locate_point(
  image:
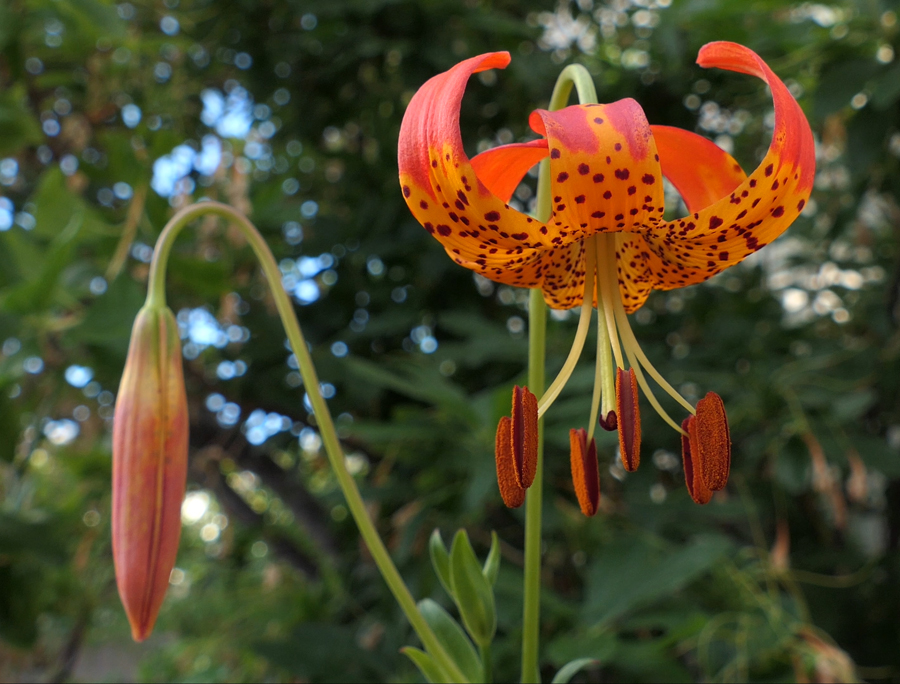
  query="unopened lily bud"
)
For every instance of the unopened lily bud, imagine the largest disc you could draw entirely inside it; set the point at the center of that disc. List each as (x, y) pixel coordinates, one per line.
(150, 447)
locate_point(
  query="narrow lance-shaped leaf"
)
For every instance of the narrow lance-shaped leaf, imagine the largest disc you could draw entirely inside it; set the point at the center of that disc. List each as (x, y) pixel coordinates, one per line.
(440, 560)
(452, 638)
(473, 593)
(492, 564)
(429, 669)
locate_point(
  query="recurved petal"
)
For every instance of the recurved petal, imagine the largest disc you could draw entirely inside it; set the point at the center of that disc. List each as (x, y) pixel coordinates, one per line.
(604, 169)
(502, 168)
(758, 210)
(700, 170)
(440, 185)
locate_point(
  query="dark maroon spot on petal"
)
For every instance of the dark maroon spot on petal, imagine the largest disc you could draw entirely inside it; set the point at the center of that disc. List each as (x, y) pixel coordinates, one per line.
(607, 194)
(632, 190)
(562, 177)
(598, 120)
(584, 169)
(434, 163)
(520, 236)
(800, 205)
(554, 154)
(778, 211)
(444, 230)
(423, 204)
(752, 182)
(598, 214)
(723, 256)
(598, 177)
(406, 191)
(454, 217)
(622, 174)
(492, 216)
(579, 199)
(618, 147)
(648, 179)
(715, 222)
(769, 170)
(775, 185)
(429, 227)
(460, 205)
(619, 217)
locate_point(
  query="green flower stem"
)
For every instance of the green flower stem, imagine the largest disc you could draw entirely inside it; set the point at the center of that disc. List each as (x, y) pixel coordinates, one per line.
(157, 296)
(573, 75)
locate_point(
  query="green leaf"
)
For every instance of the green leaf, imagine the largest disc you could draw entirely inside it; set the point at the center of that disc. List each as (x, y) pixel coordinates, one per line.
(18, 125)
(492, 564)
(440, 560)
(472, 591)
(569, 670)
(452, 638)
(636, 572)
(429, 669)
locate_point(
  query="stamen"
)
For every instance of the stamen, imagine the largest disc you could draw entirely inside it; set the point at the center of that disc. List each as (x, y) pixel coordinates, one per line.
(698, 490)
(524, 435)
(608, 285)
(584, 320)
(513, 495)
(713, 441)
(604, 378)
(629, 418)
(651, 397)
(585, 471)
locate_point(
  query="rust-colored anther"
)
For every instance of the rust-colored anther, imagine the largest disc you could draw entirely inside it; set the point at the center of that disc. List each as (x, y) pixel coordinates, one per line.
(585, 471)
(513, 495)
(628, 415)
(690, 456)
(714, 441)
(610, 423)
(524, 435)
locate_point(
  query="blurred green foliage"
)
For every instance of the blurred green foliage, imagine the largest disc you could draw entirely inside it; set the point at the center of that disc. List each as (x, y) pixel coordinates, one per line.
(113, 114)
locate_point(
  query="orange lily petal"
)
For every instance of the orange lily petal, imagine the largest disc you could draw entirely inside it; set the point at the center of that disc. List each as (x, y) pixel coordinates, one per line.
(700, 170)
(502, 168)
(634, 264)
(441, 186)
(695, 248)
(604, 169)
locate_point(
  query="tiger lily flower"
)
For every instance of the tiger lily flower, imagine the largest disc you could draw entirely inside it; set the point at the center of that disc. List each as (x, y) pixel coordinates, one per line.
(606, 243)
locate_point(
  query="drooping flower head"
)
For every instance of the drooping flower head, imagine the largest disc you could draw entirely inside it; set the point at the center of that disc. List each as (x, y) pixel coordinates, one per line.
(606, 243)
(150, 451)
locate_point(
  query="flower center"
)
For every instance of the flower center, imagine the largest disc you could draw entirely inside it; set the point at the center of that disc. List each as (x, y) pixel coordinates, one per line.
(616, 343)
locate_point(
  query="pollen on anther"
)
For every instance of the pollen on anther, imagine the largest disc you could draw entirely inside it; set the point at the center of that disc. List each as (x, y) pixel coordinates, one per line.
(585, 471)
(713, 441)
(513, 495)
(628, 415)
(524, 435)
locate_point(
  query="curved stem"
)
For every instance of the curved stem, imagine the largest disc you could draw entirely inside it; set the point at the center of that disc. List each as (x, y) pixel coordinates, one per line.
(382, 558)
(576, 75)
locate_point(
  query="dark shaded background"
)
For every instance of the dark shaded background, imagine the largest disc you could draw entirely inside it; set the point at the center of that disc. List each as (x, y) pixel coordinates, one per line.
(113, 114)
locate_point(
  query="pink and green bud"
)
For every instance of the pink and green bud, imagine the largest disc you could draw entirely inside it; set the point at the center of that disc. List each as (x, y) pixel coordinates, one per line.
(150, 448)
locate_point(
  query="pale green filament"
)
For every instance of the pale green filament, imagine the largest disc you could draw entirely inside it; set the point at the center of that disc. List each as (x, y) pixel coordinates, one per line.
(601, 242)
(630, 342)
(584, 321)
